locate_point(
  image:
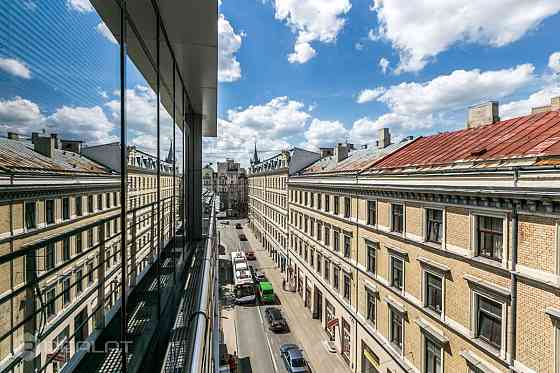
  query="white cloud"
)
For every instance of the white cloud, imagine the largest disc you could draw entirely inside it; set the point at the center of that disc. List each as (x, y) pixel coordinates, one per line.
(141, 103)
(456, 90)
(312, 20)
(368, 95)
(89, 124)
(229, 69)
(324, 133)
(106, 33)
(359, 46)
(419, 30)
(303, 52)
(278, 118)
(384, 64)
(82, 6)
(15, 67)
(554, 62)
(18, 113)
(523, 107)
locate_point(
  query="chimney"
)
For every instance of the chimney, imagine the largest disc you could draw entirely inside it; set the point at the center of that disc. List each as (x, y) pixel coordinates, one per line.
(56, 140)
(73, 146)
(384, 138)
(43, 145)
(555, 103)
(325, 152)
(483, 114)
(341, 152)
(13, 136)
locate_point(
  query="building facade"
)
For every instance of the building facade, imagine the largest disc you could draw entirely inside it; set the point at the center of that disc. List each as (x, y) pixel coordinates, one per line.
(268, 199)
(440, 255)
(231, 186)
(209, 178)
(60, 220)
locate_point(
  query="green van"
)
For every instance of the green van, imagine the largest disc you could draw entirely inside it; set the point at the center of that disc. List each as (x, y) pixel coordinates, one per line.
(266, 292)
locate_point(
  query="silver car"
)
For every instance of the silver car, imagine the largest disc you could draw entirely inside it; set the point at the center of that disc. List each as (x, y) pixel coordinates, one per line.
(293, 358)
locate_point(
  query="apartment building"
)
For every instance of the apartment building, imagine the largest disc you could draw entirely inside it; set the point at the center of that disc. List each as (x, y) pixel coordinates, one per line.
(231, 186)
(209, 179)
(268, 198)
(60, 242)
(441, 254)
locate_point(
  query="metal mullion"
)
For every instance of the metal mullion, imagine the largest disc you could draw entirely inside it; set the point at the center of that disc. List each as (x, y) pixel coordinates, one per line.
(174, 201)
(158, 180)
(184, 186)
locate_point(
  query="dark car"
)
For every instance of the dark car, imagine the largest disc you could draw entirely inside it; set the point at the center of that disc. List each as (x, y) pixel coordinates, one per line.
(250, 255)
(260, 276)
(276, 321)
(238, 226)
(293, 358)
(242, 237)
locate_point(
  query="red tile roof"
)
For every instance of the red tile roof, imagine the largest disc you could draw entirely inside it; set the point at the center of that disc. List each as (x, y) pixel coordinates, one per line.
(535, 135)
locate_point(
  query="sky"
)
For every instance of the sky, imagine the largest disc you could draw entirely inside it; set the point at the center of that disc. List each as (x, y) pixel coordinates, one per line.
(306, 73)
(313, 73)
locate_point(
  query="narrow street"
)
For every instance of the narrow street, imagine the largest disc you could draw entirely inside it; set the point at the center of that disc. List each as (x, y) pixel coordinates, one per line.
(258, 348)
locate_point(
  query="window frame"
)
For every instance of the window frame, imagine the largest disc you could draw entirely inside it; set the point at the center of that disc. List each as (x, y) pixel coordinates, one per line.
(336, 205)
(425, 340)
(371, 220)
(402, 218)
(347, 286)
(47, 202)
(33, 217)
(477, 236)
(66, 208)
(346, 245)
(427, 225)
(336, 277)
(78, 206)
(477, 326)
(347, 207)
(371, 247)
(426, 273)
(392, 314)
(371, 312)
(392, 259)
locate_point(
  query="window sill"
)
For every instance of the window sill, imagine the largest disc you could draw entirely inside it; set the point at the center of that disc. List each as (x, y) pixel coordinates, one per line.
(488, 262)
(487, 347)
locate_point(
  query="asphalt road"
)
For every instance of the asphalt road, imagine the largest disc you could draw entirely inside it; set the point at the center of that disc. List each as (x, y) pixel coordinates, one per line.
(258, 347)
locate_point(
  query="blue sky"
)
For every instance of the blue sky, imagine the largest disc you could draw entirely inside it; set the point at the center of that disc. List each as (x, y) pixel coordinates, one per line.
(302, 73)
(441, 59)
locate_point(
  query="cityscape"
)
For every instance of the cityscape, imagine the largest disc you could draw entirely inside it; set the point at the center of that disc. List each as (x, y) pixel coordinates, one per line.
(377, 190)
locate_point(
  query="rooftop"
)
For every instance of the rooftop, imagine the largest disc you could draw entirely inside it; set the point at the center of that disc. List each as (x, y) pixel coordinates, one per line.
(18, 157)
(524, 141)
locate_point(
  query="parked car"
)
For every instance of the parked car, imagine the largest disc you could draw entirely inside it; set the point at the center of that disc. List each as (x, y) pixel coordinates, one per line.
(242, 237)
(276, 321)
(293, 358)
(238, 226)
(250, 255)
(221, 249)
(225, 222)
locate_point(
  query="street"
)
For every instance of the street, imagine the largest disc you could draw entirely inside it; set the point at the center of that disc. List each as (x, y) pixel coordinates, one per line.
(258, 347)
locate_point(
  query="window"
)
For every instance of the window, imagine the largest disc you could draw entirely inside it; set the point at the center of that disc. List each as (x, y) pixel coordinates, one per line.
(90, 272)
(311, 200)
(318, 263)
(396, 329)
(51, 305)
(100, 202)
(327, 236)
(371, 213)
(336, 205)
(319, 231)
(347, 207)
(336, 240)
(49, 211)
(312, 228)
(66, 249)
(489, 321)
(90, 237)
(79, 281)
(90, 204)
(66, 208)
(49, 257)
(78, 201)
(397, 273)
(434, 225)
(306, 196)
(306, 224)
(397, 218)
(371, 258)
(326, 273)
(79, 246)
(327, 203)
(66, 290)
(432, 358)
(347, 247)
(490, 237)
(108, 200)
(319, 197)
(370, 307)
(346, 290)
(434, 295)
(336, 277)
(30, 215)
(115, 201)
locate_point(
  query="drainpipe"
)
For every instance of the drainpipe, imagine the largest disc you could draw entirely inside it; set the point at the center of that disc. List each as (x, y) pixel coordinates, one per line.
(513, 315)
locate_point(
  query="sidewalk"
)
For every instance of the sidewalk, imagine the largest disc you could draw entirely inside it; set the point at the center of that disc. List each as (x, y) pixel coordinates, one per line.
(227, 315)
(306, 330)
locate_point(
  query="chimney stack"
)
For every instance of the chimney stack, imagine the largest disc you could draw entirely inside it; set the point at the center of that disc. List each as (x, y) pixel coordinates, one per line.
(555, 103)
(483, 114)
(553, 106)
(341, 151)
(384, 138)
(43, 145)
(325, 152)
(13, 136)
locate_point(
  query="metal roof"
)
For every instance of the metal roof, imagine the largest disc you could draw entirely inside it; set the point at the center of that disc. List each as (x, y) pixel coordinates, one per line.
(356, 161)
(528, 138)
(18, 157)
